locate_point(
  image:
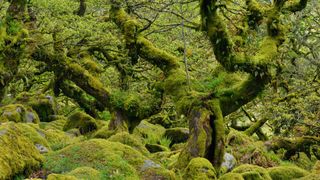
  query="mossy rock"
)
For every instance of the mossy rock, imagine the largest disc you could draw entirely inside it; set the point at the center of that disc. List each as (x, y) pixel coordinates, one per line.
(199, 168)
(316, 167)
(286, 172)
(167, 158)
(35, 134)
(81, 121)
(231, 176)
(86, 173)
(103, 133)
(177, 135)
(18, 153)
(247, 151)
(56, 124)
(112, 159)
(249, 171)
(44, 105)
(145, 130)
(61, 177)
(18, 113)
(58, 139)
(153, 148)
(130, 140)
(312, 176)
(178, 146)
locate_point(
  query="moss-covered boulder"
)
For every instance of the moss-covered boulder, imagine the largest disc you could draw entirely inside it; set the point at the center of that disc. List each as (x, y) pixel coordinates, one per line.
(147, 130)
(61, 177)
(249, 171)
(81, 121)
(167, 158)
(18, 113)
(177, 135)
(312, 176)
(86, 173)
(231, 176)
(56, 124)
(103, 133)
(199, 168)
(248, 151)
(316, 167)
(18, 154)
(130, 140)
(286, 172)
(178, 146)
(44, 105)
(153, 148)
(112, 159)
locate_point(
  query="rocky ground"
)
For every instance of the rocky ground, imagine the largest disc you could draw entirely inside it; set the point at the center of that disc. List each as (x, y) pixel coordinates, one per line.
(36, 145)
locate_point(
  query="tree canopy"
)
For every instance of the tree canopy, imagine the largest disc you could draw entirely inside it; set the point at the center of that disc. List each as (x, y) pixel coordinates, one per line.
(209, 79)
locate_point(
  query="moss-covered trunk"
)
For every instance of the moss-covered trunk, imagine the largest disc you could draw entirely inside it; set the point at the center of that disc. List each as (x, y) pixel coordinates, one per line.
(12, 42)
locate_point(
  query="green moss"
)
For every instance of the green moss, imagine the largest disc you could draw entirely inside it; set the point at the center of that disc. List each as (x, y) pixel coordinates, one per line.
(61, 177)
(316, 167)
(86, 173)
(18, 113)
(57, 124)
(311, 177)
(165, 61)
(44, 105)
(18, 153)
(231, 176)
(247, 151)
(147, 130)
(199, 168)
(58, 139)
(249, 171)
(200, 137)
(153, 148)
(34, 133)
(130, 140)
(81, 121)
(112, 159)
(286, 172)
(103, 133)
(102, 155)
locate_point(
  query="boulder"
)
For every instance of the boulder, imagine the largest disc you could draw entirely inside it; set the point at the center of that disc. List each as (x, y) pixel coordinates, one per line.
(153, 148)
(199, 168)
(177, 135)
(44, 105)
(18, 113)
(145, 130)
(229, 162)
(249, 171)
(112, 159)
(287, 172)
(18, 152)
(86, 173)
(81, 121)
(130, 140)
